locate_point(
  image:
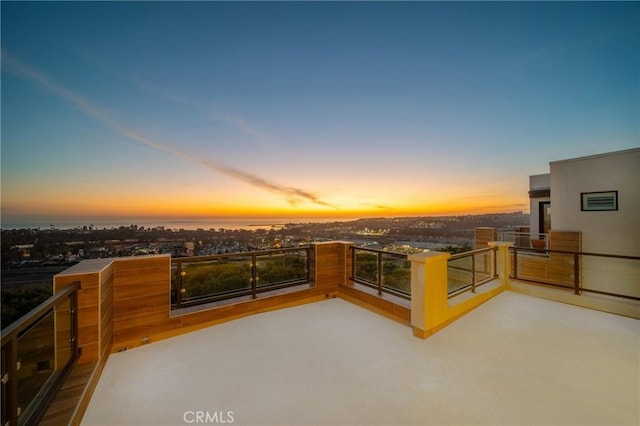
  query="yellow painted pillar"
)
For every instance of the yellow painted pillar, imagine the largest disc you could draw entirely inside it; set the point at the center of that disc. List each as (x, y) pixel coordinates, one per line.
(428, 291)
(503, 260)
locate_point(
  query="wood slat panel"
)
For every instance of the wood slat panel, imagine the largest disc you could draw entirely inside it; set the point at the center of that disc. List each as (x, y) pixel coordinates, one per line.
(87, 315)
(123, 264)
(483, 235)
(124, 306)
(88, 296)
(253, 307)
(565, 240)
(326, 265)
(63, 406)
(106, 287)
(142, 289)
(376, 304)
(87, 334)
(106, 339)
(141, 317)
(90, 352)
(132, 277)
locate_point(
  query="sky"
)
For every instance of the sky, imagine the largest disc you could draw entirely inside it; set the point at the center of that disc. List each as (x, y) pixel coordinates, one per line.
(306, 110)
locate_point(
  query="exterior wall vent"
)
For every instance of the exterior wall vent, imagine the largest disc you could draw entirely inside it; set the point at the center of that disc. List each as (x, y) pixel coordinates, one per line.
(599, 201)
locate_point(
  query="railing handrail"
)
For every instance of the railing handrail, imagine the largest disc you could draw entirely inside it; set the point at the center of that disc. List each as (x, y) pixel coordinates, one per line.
(614, 256)
(470, 253)
(391, 253)
(34, 315)
(223, 256)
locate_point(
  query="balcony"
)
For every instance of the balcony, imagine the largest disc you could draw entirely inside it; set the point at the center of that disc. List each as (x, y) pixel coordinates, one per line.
(493, 355)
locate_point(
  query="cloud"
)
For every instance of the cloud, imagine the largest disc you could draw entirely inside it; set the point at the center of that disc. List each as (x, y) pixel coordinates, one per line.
(376, 206)
(293, 194)
(239, 123)
(236, 122)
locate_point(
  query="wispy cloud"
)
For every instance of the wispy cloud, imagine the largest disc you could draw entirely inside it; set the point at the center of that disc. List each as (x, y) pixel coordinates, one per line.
(236, 122)
(293, 194)
(239, 123)
(376, 206)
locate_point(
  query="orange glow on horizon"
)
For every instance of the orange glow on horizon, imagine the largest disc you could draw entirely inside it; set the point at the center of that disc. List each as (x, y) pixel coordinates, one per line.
(241, 202)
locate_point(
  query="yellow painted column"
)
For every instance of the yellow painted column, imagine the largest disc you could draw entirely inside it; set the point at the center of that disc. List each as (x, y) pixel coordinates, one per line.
(428, 291)
(503, 260)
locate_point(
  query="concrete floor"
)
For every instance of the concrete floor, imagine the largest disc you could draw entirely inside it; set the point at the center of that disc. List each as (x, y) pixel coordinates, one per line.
(516, 359)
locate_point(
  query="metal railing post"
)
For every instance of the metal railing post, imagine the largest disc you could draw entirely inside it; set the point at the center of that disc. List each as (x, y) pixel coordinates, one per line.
(515, 263)
(576, 273)
(379, 274)
(181, 288)
(254, 277)
(353, 263)
(494, 260)
(473, 273)
(73, 313)
(308, 252)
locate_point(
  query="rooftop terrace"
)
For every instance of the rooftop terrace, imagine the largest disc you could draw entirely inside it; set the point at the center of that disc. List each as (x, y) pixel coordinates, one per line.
(515, 360)
(281, 337)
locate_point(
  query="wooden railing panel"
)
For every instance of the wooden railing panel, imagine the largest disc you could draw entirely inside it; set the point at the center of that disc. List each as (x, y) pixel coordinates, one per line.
(484, 235)
(326, 265)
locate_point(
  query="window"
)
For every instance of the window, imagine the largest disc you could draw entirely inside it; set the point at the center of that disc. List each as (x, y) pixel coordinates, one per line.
(544, 217)
(599, 201)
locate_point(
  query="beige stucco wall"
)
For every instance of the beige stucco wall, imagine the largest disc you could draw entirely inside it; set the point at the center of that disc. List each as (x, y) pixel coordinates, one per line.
(613, 232)
(610, 232)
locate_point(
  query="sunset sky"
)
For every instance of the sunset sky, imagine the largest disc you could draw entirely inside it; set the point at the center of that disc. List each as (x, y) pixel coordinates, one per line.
(306, 110)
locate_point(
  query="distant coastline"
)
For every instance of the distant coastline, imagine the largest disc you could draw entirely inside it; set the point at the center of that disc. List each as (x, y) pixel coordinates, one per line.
(192, 224)
(169, 223)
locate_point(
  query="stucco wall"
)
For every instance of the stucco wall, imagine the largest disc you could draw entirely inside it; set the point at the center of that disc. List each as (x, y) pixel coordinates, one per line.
(613, 232)
(609, 232)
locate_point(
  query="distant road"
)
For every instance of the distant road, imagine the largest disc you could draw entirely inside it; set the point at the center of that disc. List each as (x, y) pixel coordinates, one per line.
(29, 277)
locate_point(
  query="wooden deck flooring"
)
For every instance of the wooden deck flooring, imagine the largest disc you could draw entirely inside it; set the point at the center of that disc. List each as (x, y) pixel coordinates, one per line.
(61, 410)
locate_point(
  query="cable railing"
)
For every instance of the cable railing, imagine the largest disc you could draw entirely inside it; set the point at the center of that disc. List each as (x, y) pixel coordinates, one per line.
(204, 279)
(387, 272)
(38, 350)
(579, 271)
(466, 271)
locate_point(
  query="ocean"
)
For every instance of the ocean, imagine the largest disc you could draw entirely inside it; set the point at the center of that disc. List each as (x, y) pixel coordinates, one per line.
(168, 223)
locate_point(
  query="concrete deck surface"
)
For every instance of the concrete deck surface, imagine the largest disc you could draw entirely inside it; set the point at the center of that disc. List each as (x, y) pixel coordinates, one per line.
(516, 359)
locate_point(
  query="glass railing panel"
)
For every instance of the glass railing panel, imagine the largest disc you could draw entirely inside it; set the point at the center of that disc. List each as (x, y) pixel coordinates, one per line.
(215, 277)
(365, 266)
(36, 359)
(5, 360)
(280, 268)
(459, 274)
(619, 276)
(396, 273)
(525, 239)
(38, 351)
(483, 266)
